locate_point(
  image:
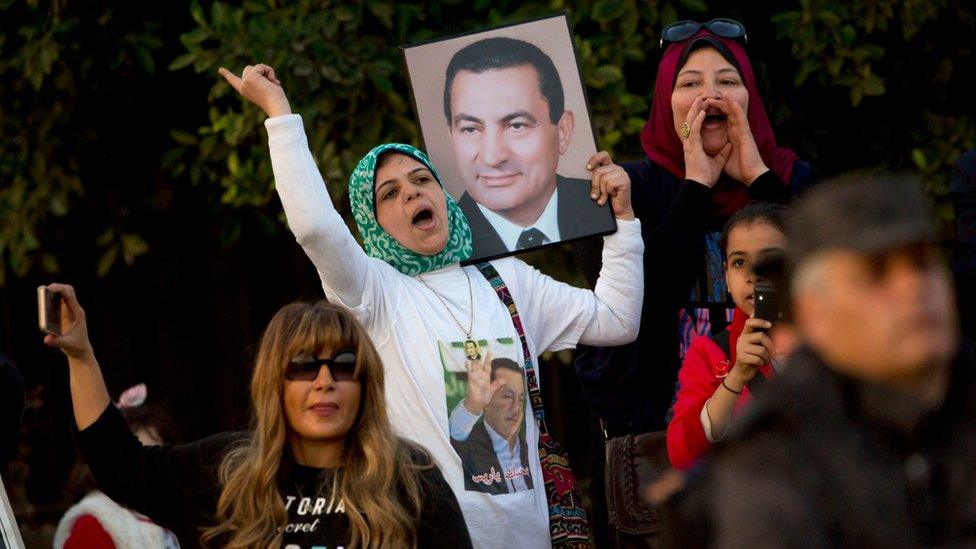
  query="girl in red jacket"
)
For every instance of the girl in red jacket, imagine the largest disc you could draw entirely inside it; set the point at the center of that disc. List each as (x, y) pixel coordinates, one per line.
(712, 384)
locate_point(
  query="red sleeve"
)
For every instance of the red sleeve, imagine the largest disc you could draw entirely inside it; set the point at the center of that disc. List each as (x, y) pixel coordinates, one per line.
(696, 384)
(87, 533)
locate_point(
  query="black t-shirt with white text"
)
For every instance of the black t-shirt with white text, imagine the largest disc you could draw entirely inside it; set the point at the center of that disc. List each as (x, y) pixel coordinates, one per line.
(316, 514)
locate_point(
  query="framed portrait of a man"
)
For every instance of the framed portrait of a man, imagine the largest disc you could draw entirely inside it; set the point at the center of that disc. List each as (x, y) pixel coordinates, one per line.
(504, 118)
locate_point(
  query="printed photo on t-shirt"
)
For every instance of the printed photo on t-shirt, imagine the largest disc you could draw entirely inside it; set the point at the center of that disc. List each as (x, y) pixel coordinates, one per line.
(486, 395)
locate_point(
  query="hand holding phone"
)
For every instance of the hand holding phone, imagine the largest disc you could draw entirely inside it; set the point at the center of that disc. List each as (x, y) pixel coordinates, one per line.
(73, 338)
(48, 311)
(753, 350)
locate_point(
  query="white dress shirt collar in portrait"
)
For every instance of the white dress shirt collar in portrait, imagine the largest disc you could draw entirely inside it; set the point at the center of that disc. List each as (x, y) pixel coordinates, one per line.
(509, 232)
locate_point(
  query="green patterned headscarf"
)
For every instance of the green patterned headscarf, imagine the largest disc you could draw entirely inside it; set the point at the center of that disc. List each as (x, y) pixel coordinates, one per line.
(378, 243)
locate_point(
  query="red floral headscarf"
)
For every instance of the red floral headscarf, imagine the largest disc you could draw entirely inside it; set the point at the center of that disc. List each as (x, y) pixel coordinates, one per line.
(663, 146)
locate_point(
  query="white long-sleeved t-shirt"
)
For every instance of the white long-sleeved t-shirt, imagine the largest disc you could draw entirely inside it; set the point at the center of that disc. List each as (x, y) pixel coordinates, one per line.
(422, 346)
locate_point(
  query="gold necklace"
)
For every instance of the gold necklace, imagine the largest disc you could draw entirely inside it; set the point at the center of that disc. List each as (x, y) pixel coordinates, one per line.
(467, 333)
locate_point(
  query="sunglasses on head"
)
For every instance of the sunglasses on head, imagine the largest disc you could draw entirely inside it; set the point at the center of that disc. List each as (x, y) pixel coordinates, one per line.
(683, 30)
(342, 367)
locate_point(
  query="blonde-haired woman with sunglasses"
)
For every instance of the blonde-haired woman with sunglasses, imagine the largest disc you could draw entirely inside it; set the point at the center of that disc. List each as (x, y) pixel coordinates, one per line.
(320, 467)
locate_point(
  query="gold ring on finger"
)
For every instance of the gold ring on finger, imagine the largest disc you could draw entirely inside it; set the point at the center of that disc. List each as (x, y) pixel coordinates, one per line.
(685, 130)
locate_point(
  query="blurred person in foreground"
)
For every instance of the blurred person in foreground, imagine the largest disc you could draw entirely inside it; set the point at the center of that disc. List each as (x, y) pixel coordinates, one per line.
(867, 438)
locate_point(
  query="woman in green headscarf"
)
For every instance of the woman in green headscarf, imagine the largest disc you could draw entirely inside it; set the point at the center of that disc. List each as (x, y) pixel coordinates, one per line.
(423, 309)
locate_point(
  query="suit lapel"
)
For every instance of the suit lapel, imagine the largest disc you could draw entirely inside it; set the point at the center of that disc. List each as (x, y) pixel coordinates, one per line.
(488, 447)
(486, 240)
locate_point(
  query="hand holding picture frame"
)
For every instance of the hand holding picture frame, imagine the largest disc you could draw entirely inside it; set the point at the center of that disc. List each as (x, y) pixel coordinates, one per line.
(505, 119)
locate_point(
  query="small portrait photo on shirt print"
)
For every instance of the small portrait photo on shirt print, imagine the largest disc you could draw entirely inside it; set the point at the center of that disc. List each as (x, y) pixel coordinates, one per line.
(487, 399)
(505, 120)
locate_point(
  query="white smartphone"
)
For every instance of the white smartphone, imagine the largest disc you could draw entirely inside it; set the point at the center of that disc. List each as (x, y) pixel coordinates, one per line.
(48, 311)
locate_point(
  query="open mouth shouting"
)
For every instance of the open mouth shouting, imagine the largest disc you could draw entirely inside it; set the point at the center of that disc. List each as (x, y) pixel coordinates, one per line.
(423, 218)
(714, 118)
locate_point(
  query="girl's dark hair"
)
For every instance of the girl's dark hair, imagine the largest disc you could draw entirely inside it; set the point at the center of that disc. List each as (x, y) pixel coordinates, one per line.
(154, 416)
(774, 214)
(146, 416)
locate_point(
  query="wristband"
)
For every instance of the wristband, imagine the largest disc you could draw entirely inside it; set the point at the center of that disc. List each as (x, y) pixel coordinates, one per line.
(730, 389)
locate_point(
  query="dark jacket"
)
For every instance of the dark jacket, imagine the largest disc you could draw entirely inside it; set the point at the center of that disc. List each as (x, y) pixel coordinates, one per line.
(822, 460)
(577, 215)
(478, 457)
(631, 387)
(177, 487)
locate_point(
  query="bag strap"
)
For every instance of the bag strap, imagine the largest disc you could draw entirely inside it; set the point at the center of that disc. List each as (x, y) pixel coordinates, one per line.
(535, 396)
(722, 340)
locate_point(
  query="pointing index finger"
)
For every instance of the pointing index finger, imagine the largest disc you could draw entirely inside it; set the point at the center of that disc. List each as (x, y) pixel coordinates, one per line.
(231, 78)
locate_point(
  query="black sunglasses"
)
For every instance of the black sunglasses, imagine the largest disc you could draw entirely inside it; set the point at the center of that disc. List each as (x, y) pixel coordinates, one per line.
(342, 367)
(683, 30)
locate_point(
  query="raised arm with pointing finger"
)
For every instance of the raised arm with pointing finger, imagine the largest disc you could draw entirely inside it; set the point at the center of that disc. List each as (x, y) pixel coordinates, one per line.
(312, 217)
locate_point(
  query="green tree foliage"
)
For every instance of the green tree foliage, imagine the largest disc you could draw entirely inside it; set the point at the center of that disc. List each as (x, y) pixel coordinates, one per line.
(48, 71)
(848, 84)
(838, 41)
(343, 72)
(907, 50)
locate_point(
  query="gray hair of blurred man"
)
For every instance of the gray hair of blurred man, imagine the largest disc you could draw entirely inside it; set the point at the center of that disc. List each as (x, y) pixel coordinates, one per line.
(867, 212)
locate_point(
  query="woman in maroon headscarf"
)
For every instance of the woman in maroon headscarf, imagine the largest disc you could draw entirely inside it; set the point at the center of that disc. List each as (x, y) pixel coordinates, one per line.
(710, 150)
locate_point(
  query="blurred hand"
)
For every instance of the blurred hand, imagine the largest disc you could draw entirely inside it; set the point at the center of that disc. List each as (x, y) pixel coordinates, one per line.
(73, 340)
(698, 165)
(480, 386)
(610, 181)
(258, 85)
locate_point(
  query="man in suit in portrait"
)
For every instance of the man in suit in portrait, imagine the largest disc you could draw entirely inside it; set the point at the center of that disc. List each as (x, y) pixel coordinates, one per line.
(505, 110)
(487, 428)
